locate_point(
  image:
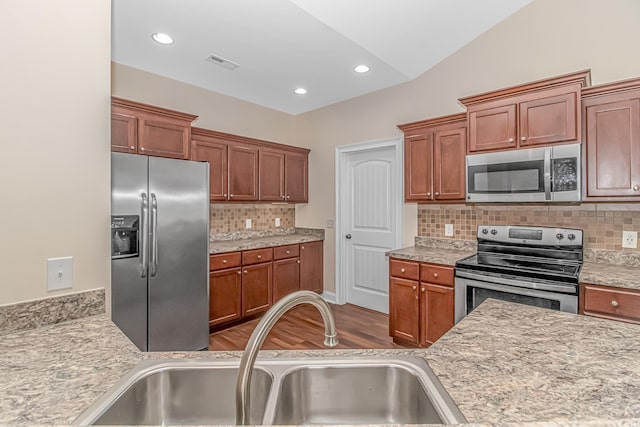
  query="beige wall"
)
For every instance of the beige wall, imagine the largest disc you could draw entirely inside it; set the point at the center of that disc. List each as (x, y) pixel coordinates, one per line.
(216, 111)
(54, 127)
(546, 38)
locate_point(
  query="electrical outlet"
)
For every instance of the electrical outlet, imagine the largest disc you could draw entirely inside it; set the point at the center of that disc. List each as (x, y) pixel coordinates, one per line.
(330, 223)
(247, 223)
(59, 273)
(277, 222)
(630, 239)
(448, 230)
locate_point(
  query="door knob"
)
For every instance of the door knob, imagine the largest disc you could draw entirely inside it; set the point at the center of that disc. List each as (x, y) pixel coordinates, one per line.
(348, 236)
(636, 188)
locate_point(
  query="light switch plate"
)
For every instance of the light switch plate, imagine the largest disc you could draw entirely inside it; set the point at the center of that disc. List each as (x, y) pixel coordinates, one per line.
(59, 273)
(448, 230)
(630, 239)
(247, 223)
(277, 222)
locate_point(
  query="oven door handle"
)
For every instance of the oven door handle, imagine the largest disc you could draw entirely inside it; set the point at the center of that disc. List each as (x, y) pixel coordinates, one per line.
(568, 289)
(547, 173)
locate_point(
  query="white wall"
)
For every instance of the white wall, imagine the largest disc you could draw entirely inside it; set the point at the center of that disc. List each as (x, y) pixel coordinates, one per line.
(544, 39)
(54, 128)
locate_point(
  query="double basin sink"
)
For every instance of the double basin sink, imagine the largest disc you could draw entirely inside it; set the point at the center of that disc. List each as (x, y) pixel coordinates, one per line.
(300, 391)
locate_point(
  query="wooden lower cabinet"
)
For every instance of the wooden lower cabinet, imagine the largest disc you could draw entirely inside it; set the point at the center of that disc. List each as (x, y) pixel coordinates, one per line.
(256, 288)
(311, 256)
(286, 277)
(225, 292)
(247, 283)
(610, 302)
(420, 311)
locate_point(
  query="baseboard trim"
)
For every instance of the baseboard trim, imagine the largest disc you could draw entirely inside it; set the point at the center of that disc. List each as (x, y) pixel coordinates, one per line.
(329, 297)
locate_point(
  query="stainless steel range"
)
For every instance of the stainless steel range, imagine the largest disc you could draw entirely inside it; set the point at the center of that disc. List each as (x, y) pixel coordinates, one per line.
(537, 266)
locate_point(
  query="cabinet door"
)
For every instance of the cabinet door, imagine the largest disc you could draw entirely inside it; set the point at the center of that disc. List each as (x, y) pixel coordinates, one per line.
(271, 164)
(295, 177)
(225, 296)
(418, 168)
(492, 128)
(450, 148)
(243, 173)
(215, 153)
(436, 312)
(404, 306)
(286, 277)
(163, 137)
(256, 288)
(549, 120)
(613, 148)
(124, 132)
(311, 266)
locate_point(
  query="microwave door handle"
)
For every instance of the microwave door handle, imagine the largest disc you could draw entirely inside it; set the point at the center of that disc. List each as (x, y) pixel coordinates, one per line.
(154, 235)
(144, 234)
(547, 174)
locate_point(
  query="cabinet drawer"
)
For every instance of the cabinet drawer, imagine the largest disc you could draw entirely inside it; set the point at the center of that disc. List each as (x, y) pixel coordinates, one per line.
(436, 274)
(289, 251)
(614, 303)
(226, 260)
(404, 269)
(257, 256)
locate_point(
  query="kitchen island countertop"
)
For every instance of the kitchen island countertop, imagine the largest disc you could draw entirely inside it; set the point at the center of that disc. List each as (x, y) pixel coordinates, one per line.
(503, 363)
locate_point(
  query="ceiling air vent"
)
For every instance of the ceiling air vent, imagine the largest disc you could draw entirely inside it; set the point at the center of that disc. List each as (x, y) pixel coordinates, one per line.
(218, 60)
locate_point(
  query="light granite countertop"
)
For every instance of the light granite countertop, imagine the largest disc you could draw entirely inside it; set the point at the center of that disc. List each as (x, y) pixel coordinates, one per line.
(504, 363)
(620, 276)
(427, 254)
(221, 246)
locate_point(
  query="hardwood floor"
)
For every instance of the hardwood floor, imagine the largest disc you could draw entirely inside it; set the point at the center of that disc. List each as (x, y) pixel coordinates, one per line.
(302, 329)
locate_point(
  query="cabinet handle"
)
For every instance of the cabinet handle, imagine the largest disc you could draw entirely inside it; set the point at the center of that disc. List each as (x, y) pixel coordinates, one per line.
(245, 272)
(288, 252)
(524, 138)
(298, 261)
(302, 247)
(435, 275)
(259, 256)
(284, 197)
(614, 303)
(224, 195)
(422, 289)
(510, 139)
(636, 188)
(437, 194)
(239, 272)
(133, 147)
(402, 270)
(224, 261)
(429, 194)
(230, 195)
(288, 197)
(414, 287)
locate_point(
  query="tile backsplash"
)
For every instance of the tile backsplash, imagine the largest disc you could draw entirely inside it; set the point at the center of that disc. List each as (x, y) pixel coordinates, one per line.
(229, 218)
(602, 223)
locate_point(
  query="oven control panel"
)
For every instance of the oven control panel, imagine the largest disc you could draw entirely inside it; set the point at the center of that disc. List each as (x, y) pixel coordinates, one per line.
(547, 236)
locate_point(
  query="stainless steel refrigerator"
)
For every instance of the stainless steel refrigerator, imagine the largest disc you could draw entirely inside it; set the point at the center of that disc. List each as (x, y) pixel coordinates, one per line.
(160, 251)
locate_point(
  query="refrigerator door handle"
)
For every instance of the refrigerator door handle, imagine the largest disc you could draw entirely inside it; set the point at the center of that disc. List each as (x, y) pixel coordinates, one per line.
(154, 235)
(144, 260)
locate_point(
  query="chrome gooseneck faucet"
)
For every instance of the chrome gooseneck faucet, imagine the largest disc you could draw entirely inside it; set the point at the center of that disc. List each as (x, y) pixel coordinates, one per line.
(260, 334)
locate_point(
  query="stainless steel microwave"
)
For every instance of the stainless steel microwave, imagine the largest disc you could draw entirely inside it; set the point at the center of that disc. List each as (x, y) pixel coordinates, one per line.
(543, 174)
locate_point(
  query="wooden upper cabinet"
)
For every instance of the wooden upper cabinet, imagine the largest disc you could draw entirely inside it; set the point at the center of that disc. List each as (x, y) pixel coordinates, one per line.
(611, 127)
(449, 167)
(272, 172)
(150, 130)
(206, 148)
(243, 173)
(434, 159)
(537, 113)
(296, 177)
(124, 131)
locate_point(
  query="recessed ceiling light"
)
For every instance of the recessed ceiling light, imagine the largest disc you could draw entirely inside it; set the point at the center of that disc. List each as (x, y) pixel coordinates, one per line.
(361, 69)
(162, 38)
(300, 91)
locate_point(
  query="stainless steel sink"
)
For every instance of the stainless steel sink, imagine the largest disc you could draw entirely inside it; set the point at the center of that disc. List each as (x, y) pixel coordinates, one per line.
(283, 391)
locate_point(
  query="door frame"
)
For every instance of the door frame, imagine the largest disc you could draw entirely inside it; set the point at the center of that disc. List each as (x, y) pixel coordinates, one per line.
(397, 189)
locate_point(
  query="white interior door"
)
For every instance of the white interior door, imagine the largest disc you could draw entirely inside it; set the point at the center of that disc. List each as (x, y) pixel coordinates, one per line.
(370, 204)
